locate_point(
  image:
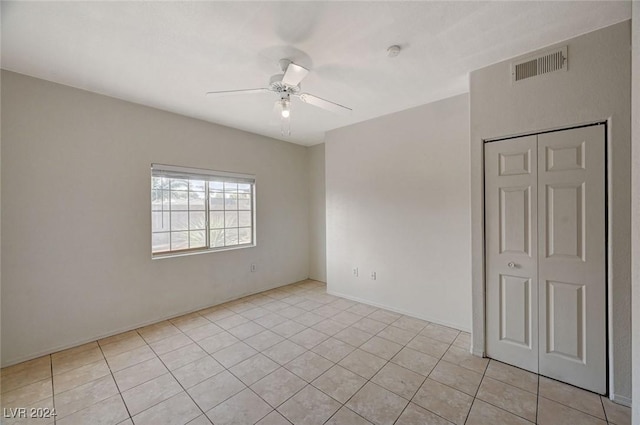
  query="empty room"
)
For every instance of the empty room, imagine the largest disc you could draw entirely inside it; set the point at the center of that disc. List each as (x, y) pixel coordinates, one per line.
(320, 212)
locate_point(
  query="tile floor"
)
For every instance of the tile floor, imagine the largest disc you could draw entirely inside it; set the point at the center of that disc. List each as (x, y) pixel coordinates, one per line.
(293, 355)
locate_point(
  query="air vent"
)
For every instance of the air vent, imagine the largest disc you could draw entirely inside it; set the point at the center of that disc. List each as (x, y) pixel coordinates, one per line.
(551, 61)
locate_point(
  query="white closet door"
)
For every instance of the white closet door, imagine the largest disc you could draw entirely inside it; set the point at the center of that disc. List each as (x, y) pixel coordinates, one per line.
(571, 256)
(511, 251)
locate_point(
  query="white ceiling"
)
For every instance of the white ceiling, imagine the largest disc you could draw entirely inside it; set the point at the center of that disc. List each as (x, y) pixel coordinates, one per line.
(168, 54)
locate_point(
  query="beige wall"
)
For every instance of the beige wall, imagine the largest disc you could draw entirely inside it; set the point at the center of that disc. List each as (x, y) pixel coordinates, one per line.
(317, 215)
(635, 178)
(398, 204)
(596, 87)
(76, 222)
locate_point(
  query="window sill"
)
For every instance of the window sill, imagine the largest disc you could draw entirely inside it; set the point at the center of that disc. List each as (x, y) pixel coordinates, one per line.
(201, 251)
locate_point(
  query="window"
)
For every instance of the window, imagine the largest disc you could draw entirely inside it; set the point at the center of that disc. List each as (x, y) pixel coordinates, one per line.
(200, 210)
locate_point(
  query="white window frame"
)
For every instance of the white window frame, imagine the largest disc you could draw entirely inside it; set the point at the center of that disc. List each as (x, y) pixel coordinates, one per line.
(209, 176)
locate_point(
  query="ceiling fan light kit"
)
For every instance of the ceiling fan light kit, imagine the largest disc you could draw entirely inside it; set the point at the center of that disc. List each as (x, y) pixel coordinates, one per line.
(285, 86)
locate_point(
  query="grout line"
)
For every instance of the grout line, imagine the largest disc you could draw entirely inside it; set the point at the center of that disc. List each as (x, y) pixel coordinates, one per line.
(116, 383)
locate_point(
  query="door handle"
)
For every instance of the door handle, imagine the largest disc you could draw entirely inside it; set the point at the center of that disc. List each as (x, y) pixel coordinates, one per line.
(512, 265)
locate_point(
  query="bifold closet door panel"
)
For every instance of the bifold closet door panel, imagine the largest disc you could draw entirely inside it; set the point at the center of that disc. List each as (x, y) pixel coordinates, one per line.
(572, 256)
(511, 251)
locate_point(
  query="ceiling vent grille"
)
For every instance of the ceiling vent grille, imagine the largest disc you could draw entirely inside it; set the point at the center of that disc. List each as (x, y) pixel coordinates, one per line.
(551, 61)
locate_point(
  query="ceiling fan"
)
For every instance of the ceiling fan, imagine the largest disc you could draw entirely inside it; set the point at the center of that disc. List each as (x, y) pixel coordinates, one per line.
(286, 86)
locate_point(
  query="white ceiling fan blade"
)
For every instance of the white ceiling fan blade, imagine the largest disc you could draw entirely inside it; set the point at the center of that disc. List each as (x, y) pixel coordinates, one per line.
(294, 74)
(324, 104)
(243, 91)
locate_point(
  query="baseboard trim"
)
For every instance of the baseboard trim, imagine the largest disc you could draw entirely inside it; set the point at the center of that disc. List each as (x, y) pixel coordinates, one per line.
(136, 326)
(398, 310)
(620, 399)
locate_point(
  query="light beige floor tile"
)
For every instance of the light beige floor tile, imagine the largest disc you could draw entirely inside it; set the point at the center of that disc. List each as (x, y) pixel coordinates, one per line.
(369, 325)
(264, 340)
(416, 415)
(288, 328)
(291, 312)
(150, 393)
(463, 340)
(171, 343)
(342, 303)
(254, 368)
(208, 394)
(130, 358)
(130, 422)
(308, 366)
(362, 309)
(284, 352)
(329, 327)
(510, 398)
(118, 337)
(353, 336)
(398, 380)
(483, 414)
(112, 348)
(18, 378)
(202, 332)
(16, 417)
(275, 306)
(255, 313)
(552, 413)
(568, 395)
(43, 362)
(107, 412)
(183, 356)
(29, 394)
(278, 386)
(309, 319)
(346, 317)
(309, 407)
(176, 410)
(385, 316)
(363, 363)
(243, 408)
(327, 311)
(189, 321)
(308, 338)
(339, 383)
(616, 413)
(231, 321)
(377, 405)
(429, 346)
(238, 306)
(270, 320)
(462, 357)
(80, 376)
(216, 313)
(74, 350)
(201, 420)
(246, 330)
(139, 374)
(234, 354)
(457, 377)
(273, 418)
(309, 305)
(440, 333)
(346, 416)
(445, 401)
(513, 376)
(73, 361)
(333, 349)
(158, 331)
(395, 334)
(84, 396)
(381, 347)
(410, 324)
(217, 342)
(415, 360)
(198, 371)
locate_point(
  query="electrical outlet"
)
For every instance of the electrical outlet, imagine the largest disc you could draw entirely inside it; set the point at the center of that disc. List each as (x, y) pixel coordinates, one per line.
(373, 275)
(355, 271)
(253, 268)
